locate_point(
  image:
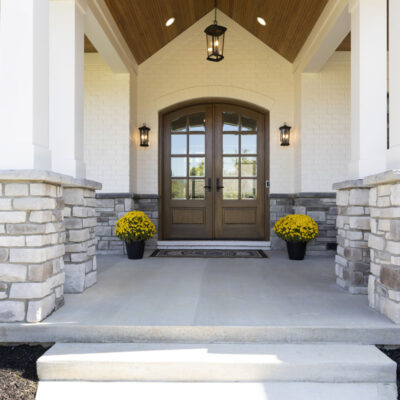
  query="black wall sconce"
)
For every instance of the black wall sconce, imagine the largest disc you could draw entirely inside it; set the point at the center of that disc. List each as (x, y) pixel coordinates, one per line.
(285, 134)
(144, 136)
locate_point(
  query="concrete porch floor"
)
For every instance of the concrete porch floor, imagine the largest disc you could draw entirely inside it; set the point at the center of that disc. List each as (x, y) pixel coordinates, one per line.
(220, 300)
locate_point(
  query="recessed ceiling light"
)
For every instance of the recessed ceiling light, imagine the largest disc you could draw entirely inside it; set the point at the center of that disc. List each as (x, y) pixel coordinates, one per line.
(170, 21)
(261, 21)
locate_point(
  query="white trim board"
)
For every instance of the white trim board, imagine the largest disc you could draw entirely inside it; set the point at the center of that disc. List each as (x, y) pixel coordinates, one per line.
(214, 244)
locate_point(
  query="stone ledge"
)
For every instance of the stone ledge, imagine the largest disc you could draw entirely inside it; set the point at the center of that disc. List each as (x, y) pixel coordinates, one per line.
(114, 195)
(34, 175)
(391, 176)
(311, 195)
(350, 184)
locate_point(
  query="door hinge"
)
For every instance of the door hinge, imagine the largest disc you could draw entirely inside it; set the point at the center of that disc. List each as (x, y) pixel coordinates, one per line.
(267, 184)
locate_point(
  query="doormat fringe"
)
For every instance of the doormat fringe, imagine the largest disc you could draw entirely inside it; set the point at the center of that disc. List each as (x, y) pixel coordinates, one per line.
(209, 253)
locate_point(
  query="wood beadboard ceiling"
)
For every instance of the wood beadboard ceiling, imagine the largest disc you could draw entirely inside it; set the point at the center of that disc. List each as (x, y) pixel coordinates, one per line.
(142, 22)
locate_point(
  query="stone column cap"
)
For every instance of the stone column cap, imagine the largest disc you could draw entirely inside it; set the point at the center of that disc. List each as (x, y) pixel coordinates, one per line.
(35, 175)
(390, 176)
(350, 184)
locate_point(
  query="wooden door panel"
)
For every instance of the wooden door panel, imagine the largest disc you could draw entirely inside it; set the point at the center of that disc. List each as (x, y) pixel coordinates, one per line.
(187, 169)
(239, 165)
(213, 174)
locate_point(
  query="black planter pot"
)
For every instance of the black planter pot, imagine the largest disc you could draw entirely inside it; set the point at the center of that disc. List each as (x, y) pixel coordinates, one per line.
(135, 249)
(296, 250)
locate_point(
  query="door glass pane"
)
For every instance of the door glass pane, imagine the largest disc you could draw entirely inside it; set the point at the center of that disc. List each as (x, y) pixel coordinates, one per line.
(248, 124)
(178, 144)
(197, 122)
(231, 166)
(231, 189)
(196, 189)
(249, 144)
(249, 188)
(178, 189)
(196, 166)
(197, 144)
(179, 125)
(230, 144)
(249, 166)
(178, 166)
(230, 122)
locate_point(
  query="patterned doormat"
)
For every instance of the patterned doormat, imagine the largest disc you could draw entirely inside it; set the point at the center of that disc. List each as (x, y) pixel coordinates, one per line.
(209, 253)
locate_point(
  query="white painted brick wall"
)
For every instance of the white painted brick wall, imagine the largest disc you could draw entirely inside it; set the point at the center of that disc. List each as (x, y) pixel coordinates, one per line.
(106, 132)
(325, 130)
(251, 71)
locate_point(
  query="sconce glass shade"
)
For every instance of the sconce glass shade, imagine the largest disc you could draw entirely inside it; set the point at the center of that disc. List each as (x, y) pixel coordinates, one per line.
(144, 136)
(215, 36)
(285, 135)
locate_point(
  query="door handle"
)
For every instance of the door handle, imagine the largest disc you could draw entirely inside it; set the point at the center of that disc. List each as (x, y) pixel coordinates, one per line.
(218, 184)
(209, 185)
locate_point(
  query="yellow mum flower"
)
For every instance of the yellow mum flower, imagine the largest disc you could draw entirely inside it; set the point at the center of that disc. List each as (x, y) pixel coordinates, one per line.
(134, 225)
(296, 228)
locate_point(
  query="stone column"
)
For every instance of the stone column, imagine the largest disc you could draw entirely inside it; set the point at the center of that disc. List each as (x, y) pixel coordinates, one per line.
(67, 19)
(394, 84)
(352, 262)
(384, 241)
(368, 87)
(80, 246)
(24, 84)
(32, 238)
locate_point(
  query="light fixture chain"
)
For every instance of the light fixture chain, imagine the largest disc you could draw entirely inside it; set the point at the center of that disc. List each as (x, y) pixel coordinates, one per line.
(215, 12)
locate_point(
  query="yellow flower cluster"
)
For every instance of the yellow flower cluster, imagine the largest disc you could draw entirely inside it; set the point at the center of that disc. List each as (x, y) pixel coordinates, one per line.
(134, 225)
(296, 228)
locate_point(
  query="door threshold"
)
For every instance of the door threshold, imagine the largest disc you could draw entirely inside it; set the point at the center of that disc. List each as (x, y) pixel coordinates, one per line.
(214, 244)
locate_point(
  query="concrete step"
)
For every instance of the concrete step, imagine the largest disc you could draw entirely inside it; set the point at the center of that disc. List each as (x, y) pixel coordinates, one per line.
(214, 244)
(216, 363)
(214, 391)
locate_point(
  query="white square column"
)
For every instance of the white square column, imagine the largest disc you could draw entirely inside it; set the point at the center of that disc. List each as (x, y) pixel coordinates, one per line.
(24, 84)
(67, 27)
(368, 87)
(393, 161)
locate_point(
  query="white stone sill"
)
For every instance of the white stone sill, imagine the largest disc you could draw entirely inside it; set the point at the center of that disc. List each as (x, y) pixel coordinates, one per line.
(34, 175)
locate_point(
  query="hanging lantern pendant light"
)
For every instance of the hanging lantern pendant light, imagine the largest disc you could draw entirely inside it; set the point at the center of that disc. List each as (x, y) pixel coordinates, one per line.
(215, 36)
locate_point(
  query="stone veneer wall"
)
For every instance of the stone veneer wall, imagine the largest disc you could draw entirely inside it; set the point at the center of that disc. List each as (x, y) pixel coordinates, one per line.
(352, 262)
(110, 207)
(320, 206)
(32, 243)
(80, 245)
(384, 242)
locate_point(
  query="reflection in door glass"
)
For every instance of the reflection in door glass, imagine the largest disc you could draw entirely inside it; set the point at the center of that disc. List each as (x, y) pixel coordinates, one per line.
(196, 144)
(178, 144)
(178, 166)
(248, 124)
(248, 144)
(230, 166)
(249, 166)
(196, 189)
(230, 144)
(178, 189)
(197, 122)
(231, 189)
(249, 188)
(230, 122)
(179, 125)
(196, 166)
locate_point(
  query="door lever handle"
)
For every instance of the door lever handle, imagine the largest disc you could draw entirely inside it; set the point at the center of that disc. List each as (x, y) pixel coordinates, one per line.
(218, 184)
(209, 185)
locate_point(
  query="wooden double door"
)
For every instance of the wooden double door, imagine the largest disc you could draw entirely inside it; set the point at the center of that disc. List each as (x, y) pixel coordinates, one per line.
(214, 173)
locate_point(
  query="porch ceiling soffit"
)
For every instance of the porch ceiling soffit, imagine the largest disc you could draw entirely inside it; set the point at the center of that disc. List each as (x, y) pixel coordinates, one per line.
(103, 32)
(142, 23)
(329, 32)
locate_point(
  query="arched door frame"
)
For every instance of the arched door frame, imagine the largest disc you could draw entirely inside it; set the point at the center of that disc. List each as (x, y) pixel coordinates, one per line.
(213, 100)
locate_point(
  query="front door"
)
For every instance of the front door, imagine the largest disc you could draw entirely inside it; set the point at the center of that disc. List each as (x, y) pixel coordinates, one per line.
(213, 173)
